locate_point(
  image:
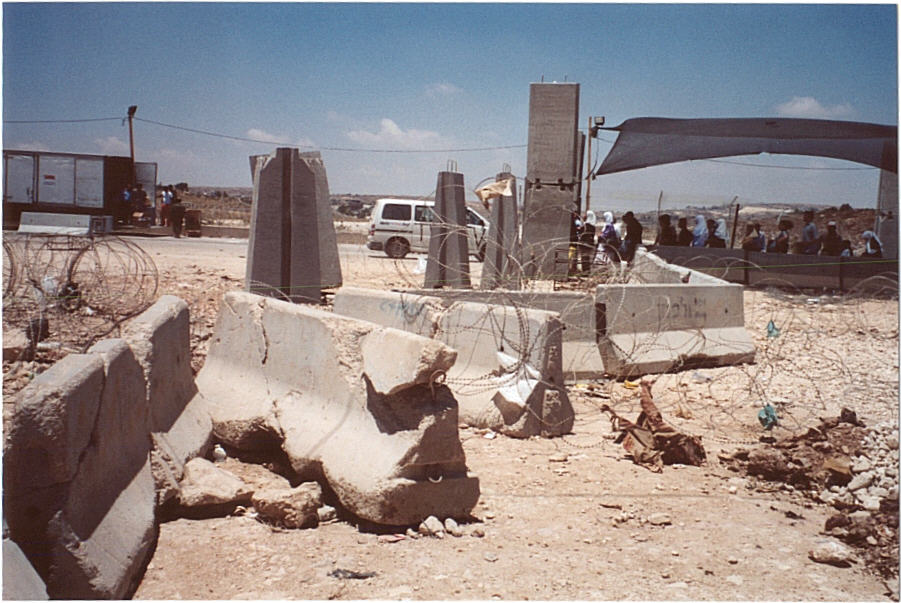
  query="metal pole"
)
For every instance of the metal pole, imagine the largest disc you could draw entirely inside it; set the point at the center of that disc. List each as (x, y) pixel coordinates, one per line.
(131, 141)
(588, 184)
(734, 224)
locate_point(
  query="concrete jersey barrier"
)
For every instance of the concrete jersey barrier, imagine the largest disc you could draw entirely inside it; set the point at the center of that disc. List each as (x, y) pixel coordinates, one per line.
(508, 375)
(379, 428)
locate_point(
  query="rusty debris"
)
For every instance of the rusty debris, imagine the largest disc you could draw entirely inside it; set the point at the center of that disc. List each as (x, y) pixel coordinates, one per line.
(651, 441)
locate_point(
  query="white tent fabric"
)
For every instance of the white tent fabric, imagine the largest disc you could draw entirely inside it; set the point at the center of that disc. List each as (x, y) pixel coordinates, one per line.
(647, 141)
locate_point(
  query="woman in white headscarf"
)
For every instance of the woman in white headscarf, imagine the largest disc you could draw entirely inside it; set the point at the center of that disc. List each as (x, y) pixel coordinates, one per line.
(700, 232)
(874, 245)
(722, 231)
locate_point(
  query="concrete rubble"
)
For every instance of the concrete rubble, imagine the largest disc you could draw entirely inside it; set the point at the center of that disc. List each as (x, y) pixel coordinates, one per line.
(509, 374)
(318, 402)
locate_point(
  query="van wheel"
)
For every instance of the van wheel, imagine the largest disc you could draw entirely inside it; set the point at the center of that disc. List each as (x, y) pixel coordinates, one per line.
(480, 256)
(397, 248)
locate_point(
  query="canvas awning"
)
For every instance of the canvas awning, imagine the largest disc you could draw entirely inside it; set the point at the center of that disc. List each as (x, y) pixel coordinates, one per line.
(647, 141)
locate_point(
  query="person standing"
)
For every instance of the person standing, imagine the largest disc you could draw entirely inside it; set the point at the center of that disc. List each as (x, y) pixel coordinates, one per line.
(685, 236)
(633, 236)
(666, 233)
(873, 247)
(177, 216)
(700, 233)
(832, 241)
(167, 202)
(781, 242)
(717, 233)
(587, 243)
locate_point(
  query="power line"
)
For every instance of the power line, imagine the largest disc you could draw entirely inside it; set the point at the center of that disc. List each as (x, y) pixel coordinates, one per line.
(790, 167)
(59, 121)
(344, 149)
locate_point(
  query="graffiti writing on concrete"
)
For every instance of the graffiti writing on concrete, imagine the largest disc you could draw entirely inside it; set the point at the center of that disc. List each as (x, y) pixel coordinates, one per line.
(682, 308)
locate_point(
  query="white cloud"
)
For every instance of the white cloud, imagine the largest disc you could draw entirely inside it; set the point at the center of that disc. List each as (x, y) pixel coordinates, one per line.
(392, 136)
(111, 145)
(441, 89)
(29, 146)
(264, 136)
(811, 108)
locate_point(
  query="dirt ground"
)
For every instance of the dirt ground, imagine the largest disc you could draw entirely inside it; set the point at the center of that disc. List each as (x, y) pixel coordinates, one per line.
(567, 518)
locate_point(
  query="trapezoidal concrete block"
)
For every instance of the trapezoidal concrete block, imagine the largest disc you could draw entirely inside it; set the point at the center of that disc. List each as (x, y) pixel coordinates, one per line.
(392, 457)
(180, 422)
(448, 261)
(78, 490)
(502, 267)
(292, 250)
(20, 581)
(509, 370)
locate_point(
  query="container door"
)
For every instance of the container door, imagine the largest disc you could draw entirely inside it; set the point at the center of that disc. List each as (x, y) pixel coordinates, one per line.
(19, 184)
(56, 180)
(89, 182)
(145, 173)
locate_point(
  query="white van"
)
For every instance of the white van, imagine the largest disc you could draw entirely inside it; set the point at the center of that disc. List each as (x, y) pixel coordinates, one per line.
(399, 226)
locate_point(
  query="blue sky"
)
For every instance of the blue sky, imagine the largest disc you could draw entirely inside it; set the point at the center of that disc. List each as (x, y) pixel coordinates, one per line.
(407, 77)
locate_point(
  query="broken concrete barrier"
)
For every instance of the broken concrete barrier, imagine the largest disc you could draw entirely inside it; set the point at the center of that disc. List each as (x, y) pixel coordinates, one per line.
(78, 490)
(290, 507)
(20, 581)
(205, 485)
(179, 421)
(509, 370)
(296, 376)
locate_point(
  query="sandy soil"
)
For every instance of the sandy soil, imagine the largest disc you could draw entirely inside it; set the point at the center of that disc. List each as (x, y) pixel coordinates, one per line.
(566, 518)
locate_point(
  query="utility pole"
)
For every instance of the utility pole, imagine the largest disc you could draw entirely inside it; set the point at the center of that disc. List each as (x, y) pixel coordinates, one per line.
(131, 140)
(593, 124)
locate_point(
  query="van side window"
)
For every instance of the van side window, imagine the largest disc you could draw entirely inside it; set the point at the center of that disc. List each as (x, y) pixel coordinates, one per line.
(394, 211)
(473, 219)
(423, 213)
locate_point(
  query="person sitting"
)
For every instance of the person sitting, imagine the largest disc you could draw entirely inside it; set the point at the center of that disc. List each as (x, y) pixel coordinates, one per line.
(717, 236)
(782, 240)
(810, 240)
(873, 247)
(685, 236)
(832, 241)
(751, 240)
(666, 233)
(700, 232)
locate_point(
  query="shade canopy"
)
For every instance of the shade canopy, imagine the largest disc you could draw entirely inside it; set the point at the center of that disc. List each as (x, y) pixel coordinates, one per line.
(648, 141)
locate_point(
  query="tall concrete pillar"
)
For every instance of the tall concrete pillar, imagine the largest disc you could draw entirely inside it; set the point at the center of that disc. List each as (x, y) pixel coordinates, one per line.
(448, 263)
(293, 251)
(886, 226)
(502, 267)
(553, 176)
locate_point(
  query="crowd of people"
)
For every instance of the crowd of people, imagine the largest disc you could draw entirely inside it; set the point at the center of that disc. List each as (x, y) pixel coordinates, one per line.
(138, 209)
(614, 241)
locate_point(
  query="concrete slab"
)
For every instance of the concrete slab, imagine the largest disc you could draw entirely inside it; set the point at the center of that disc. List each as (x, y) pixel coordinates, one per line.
(509, 371)
(20, 581)
(390, 458)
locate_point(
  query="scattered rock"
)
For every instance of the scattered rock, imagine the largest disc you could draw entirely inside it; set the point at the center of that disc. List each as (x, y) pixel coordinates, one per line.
(326, 513)
(859, 481)
(560, 457)
(734, 579)
(477, 533)
(832, 552)
(452, 528)
(291, 508)
(490, 557)
(206, 485)
(432, 526)
(659, 519)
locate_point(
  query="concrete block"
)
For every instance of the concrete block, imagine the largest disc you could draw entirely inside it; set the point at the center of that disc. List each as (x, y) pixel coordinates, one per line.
(392, 459)
(502, 267)
(293, 249)
(656, 328)
(448, 261)
(553, 176)
(411, 361)
(581, 358)
(509, 370)
(180, 421)
(20, 581)
(78, 491)
(56, 224)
